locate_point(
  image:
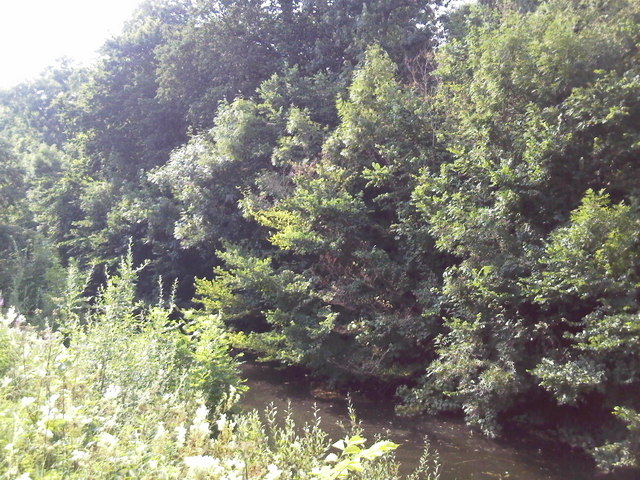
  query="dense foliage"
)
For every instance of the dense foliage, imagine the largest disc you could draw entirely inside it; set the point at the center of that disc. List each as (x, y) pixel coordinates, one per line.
(539, 206)
(441, 199)
(117, 394)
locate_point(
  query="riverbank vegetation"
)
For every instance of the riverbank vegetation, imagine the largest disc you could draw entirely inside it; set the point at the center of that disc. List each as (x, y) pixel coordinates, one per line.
(445, 199)
(115, 392)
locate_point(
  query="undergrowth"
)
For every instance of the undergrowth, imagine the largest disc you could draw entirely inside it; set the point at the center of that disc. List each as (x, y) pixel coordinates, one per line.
(116, 391)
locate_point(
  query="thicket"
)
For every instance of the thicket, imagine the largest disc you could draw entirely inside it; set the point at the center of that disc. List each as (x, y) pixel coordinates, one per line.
(118, 391)
(445, 199)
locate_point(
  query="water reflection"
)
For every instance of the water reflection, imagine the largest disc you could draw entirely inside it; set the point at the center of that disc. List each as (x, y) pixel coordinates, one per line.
(464, 455)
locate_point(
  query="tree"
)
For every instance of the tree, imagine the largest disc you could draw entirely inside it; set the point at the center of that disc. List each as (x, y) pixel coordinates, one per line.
(540, 107)
(229, 48)
(338, 210)
(124, 128)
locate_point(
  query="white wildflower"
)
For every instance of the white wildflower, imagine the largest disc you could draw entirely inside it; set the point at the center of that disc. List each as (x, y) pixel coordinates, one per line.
(109, 423)
(84, 420)
(106, 440)
(221, 422)
(273, 472)
(24, 476)
(26, 401)
(140, 448)
(199, 429)
(181, 435)
(48, 413)
(202, 463)
(79, 456)
(112, 392)
(161, 432)
(201, 413)
(200, 426)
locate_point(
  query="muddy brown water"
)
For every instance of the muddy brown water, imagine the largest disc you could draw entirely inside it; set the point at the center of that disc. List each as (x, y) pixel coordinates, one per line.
(464, 454)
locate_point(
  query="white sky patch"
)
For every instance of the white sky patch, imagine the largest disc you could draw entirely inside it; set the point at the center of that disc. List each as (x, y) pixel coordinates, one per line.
(34, 33)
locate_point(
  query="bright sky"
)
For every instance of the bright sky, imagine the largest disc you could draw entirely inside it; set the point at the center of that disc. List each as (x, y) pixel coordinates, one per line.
(34, 33)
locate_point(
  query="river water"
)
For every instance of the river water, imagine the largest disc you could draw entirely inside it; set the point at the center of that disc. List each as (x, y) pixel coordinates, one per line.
(464, 455)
